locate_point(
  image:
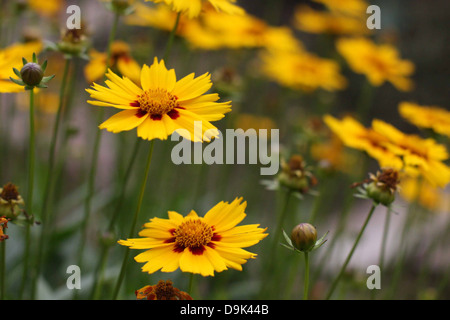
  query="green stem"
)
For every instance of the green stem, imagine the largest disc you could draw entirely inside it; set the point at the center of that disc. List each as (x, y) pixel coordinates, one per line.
(105, 248)
(134, 221)
(29, 200)
(94, 162)
(50, 178)
(336, 281)
(171, 38)
(305, 291)
(191, 284)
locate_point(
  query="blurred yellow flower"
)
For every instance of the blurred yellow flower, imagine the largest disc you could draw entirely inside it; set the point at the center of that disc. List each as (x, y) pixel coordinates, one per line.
(201, 245)
(309, 20)
(427, 195)
(161, 104)
(46, 8)
(11, 57)
(349, 7)
(331, 155)
(121, 60)
(354, 135)
(424, 155)
(379, 63)
(429, 117)
(193, 8)
(302, 70)
(247, 121)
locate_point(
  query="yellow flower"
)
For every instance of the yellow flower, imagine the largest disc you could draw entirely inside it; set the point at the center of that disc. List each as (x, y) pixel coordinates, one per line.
(46, 8)
(309, 20)
(193, 7)
(196, 244)
(247, 121)
(160, 17)
(424, 155)
(427, 195)
(349, 7)
(11, 57)
(164, 290)
(121, 60)
(379, 63)
(161, 104)
(430, 117)
(302, 70)
(354, 135)
(332, 156)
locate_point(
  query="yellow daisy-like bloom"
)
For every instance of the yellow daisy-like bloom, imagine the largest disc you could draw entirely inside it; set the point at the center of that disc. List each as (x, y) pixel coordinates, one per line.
(429, 117)
(428, 196)
(354, 135)
(424, 155)
(309, 20)
(302, 70)
(379, 63)
(121, 60)
(201, 245)
(161, 104)
(11, 57)
(349, 7)
(193, 8)
(46, 8)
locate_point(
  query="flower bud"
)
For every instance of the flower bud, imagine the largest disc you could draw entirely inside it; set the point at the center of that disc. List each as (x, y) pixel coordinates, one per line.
(296, 176)
(304, 237)
(31, 74)
(382, 186)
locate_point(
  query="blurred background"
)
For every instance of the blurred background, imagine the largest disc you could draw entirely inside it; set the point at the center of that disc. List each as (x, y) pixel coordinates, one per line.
(420, 32)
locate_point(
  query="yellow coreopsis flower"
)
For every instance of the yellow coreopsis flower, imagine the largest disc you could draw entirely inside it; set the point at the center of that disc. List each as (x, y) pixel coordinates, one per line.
(429, 117)
(379, 63)
(414, 189)
(161, 104)
(201, 245)
(121, 60)
(302, 70)
(11, 57)
(46, 8)
(193, 8)
(424, 155)
(354, 135)
(309, 20)
(349, 7)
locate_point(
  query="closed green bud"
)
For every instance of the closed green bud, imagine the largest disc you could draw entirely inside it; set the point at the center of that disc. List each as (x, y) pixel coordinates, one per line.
(304, 237)
(32, 74)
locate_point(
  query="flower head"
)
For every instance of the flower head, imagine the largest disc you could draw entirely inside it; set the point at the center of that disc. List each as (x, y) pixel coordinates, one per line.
(193, 8)
(121, 61)
(164, 290)
(296, 176)
(379, 63)
(11, 57)
(10, 201)
(32, 74)
(161, 105)
(302, 70)
(197, 244)
(429, 117)
(380, 188)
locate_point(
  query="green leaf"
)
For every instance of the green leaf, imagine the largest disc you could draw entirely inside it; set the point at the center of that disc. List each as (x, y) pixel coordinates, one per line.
(17, 72)
(288, 240)
(17, 81)
(47, 79)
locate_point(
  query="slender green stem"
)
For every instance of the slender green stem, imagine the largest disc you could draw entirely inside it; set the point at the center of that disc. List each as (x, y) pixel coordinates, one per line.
(336, 281)
(2, 269)
(50, 179)
(105, 248)
(305, 291)
(171, 38)
(95, 154)
(191, 284)
(134, 221)
(29, 200)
